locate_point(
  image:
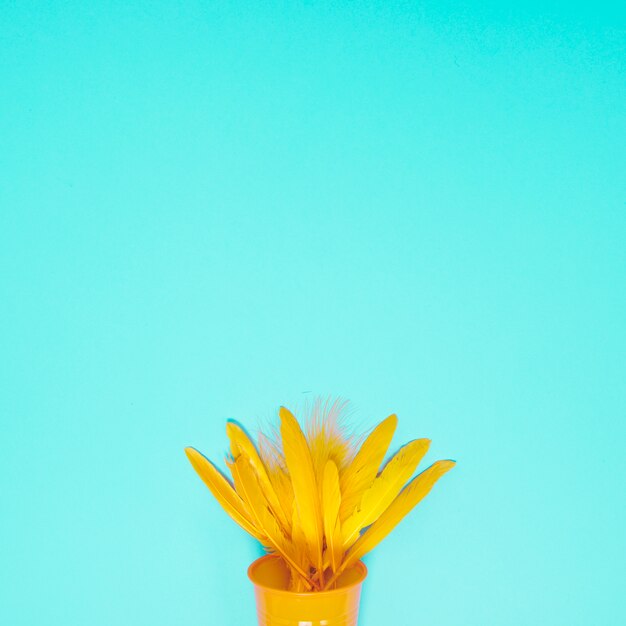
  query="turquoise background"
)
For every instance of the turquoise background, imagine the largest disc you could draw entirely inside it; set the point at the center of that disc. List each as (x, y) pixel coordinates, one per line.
(211, 209)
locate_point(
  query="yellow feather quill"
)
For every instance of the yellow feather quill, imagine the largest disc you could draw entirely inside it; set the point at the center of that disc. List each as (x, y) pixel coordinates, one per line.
(305, 490)
(384, 489)
(222, 490)
(331, 501)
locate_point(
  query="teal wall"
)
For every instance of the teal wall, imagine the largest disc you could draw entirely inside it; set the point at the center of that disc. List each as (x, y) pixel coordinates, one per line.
(211, 209)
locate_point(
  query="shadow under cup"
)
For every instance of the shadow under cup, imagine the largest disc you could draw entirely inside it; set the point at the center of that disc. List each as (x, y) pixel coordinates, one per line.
(278, 607)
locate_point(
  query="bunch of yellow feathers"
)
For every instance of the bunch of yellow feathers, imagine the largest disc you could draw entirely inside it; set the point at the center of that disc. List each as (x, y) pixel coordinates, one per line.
(317, 498)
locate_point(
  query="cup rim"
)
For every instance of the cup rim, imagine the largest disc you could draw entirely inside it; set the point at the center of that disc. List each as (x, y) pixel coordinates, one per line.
(306, 594)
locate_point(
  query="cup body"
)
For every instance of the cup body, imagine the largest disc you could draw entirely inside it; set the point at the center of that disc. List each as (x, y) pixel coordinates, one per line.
(278, 607)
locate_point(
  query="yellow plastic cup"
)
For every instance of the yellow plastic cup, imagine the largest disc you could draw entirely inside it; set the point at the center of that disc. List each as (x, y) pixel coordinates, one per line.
(278, 607)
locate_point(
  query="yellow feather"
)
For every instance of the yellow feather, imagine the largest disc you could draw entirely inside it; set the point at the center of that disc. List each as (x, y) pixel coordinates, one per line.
(362, 471)
(241, 444)
(411, 495)
(247, 482)
(384, 489)
(305, 490)
(222, 490)
(331, 501)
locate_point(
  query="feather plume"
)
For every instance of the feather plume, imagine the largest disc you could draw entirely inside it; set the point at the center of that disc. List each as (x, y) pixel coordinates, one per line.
(325, 436)
(331, 501)
(362, 471)
(384, 489)
(305, 490)
(271, 452)
(411, 495)
(222, 490)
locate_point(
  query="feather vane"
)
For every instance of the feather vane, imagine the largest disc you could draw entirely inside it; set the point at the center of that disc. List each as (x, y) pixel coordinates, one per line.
(305, 490)
(222, 490)
(362, 471)
(331, 501)
(384, 489)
